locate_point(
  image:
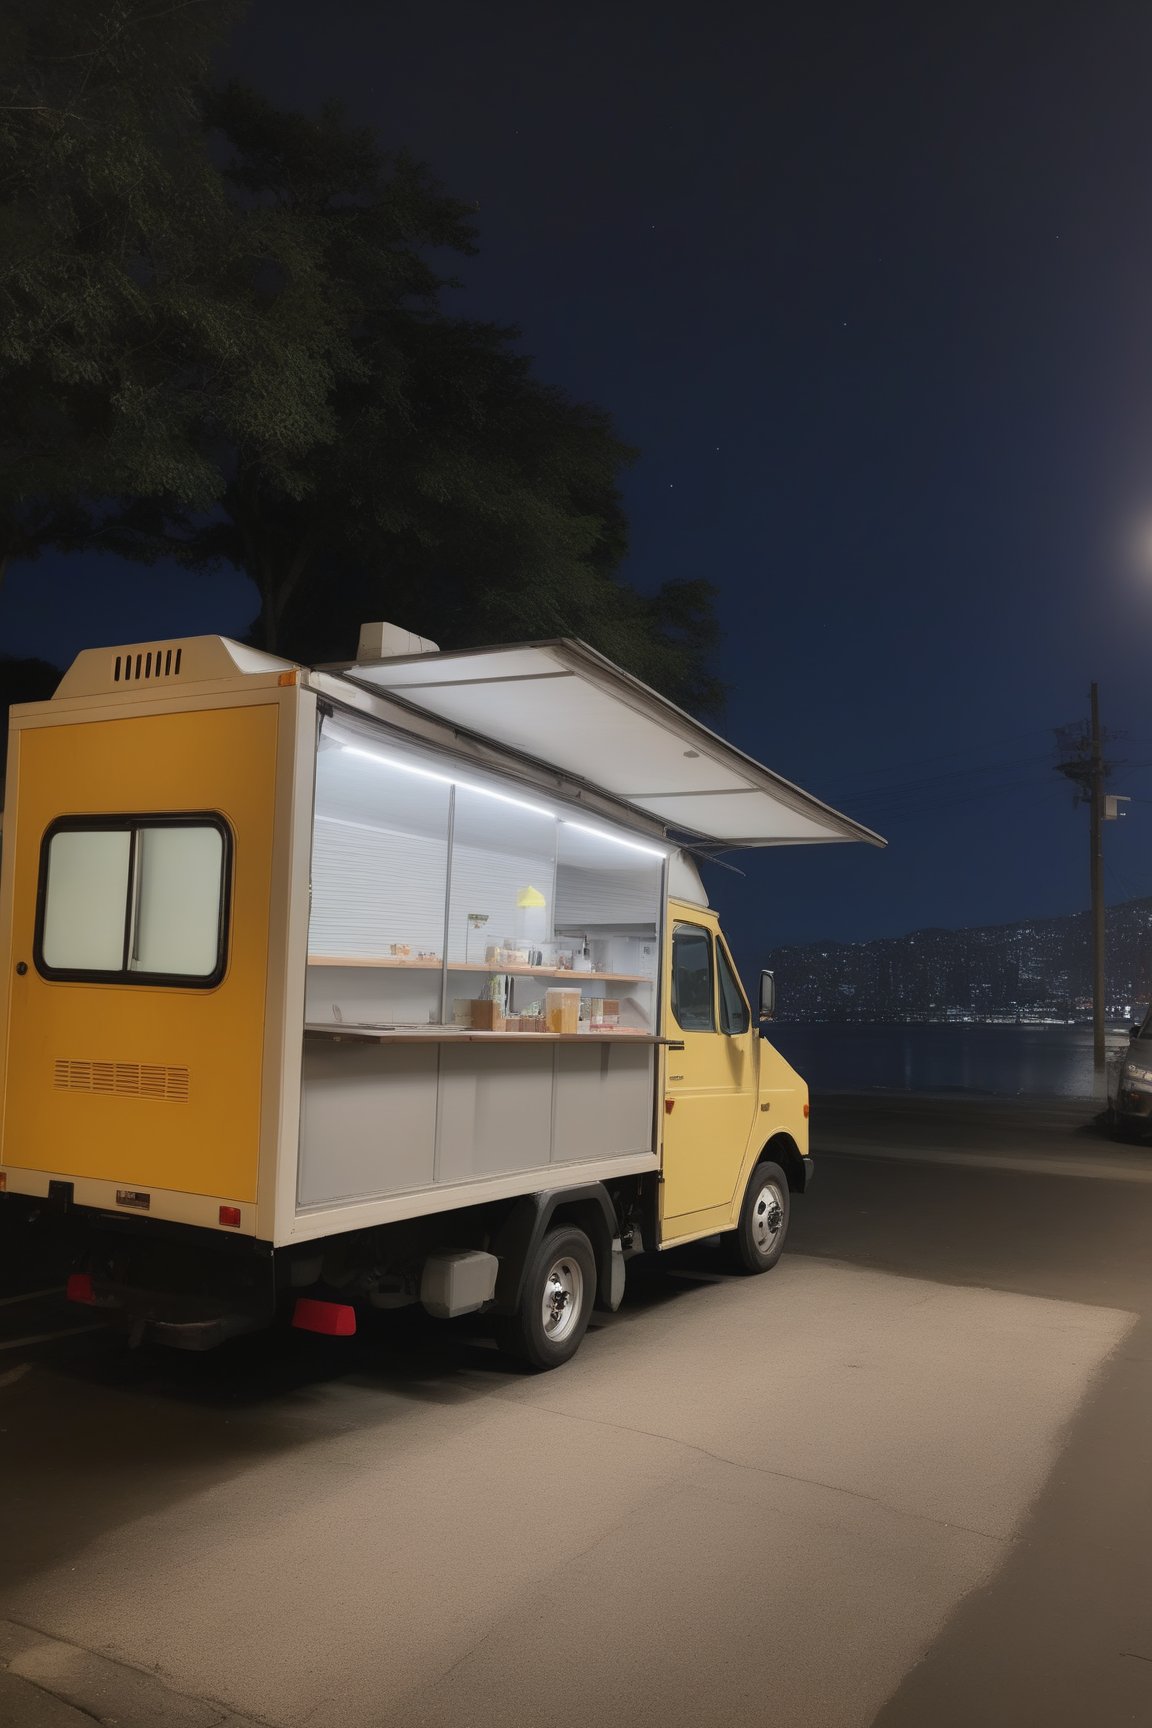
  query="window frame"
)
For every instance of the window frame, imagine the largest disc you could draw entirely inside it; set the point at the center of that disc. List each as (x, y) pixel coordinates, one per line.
(120, 823)
(673, 1004)
(723, 957)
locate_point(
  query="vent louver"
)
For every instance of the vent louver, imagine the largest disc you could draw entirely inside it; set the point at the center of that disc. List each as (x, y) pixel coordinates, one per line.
(147, 665)
(123, 1079)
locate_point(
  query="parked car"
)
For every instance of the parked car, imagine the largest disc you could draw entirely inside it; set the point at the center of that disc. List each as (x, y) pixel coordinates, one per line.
(1132, 1109)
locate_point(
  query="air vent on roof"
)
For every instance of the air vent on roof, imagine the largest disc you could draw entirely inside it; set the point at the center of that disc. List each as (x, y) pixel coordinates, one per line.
(149, 663)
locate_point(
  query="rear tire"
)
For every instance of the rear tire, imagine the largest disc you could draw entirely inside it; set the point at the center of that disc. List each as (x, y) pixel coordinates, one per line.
(758, 1239)
(1128, 1133)
(555, 1302)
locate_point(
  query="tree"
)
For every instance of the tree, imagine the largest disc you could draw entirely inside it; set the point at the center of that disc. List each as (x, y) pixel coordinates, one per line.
(457, 493)
(223, 338)
(21, 680)
(133, 341)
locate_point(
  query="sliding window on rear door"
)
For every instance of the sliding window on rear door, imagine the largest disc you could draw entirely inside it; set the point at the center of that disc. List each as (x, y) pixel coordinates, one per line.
(134, 900)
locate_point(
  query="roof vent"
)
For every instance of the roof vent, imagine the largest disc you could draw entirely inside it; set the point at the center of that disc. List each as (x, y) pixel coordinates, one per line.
(390, 642)
(143, 666)
(146, 665)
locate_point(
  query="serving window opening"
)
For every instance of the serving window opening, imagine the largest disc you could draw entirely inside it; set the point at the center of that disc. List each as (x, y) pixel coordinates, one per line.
(443, 898)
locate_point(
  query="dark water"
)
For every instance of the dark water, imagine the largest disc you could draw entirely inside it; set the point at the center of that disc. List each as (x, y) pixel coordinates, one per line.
(1052, 1061)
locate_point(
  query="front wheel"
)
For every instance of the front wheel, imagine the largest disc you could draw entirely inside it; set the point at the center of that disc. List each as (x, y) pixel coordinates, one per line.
(1128, 1133)
(758, 1239)
(555, 1303)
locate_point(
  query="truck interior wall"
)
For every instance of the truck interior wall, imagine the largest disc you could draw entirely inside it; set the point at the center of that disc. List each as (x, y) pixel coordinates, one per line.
(418, 879)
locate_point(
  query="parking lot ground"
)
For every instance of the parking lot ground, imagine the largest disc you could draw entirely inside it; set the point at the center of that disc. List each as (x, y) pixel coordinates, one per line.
(900, 1480)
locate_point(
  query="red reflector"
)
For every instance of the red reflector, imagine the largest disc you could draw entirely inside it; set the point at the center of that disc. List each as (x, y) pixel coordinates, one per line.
(669, 1106)
(807, 1107)
(337, 1319)
(230, 1215)
(3, 1180)
(80, 1287)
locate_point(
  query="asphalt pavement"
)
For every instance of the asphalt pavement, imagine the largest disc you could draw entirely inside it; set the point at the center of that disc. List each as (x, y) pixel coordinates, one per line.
(900, 1480)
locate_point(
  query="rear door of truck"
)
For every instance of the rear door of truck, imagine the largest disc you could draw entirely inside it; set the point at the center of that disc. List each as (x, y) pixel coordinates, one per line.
(141, 851)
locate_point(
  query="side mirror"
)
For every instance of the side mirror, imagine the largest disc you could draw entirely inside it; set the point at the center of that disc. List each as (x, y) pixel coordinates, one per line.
(1134, 1029)
(767, 995)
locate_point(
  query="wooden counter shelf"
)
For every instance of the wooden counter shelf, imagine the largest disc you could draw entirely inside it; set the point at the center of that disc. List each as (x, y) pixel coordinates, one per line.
(396, 963)
(468, 1035)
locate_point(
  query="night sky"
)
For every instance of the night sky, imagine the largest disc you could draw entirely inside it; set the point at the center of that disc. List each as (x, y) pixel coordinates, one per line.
(871, 290)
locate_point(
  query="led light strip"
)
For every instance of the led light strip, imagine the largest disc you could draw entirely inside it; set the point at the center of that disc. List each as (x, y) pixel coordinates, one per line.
(500, 797)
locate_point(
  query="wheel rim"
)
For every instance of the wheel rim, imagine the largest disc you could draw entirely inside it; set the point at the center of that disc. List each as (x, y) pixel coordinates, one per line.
(563, 1299)
(767, 1217)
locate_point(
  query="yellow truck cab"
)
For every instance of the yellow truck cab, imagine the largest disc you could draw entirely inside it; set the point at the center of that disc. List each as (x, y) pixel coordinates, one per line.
(342, 989)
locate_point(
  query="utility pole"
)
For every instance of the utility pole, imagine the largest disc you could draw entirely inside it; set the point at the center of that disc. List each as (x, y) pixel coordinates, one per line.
(1096, 830)
(1083, 762)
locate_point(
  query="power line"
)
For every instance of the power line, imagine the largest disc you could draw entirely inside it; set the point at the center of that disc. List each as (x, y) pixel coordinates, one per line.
(1026, 792)
(977, 768)
(957, 781)
(967, 750)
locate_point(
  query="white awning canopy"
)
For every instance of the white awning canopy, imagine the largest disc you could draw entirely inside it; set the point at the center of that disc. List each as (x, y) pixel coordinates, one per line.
(566, 706)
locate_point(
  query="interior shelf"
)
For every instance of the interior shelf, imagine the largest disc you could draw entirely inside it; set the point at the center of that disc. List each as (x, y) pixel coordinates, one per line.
(398, 964)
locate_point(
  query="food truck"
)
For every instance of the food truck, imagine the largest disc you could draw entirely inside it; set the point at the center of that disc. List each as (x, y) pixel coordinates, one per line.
(330, 991)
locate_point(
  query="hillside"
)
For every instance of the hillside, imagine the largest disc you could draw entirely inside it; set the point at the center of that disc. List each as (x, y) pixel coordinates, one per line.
(1035, 970)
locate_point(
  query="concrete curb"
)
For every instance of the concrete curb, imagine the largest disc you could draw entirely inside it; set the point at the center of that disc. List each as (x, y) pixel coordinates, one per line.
(1028, 1164)
(47, 1683)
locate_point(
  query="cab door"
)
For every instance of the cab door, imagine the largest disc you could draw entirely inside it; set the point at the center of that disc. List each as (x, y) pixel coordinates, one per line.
(710, 1095)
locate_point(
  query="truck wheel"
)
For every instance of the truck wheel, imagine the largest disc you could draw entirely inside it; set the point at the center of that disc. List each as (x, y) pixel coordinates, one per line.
(556, 1301)
(1126, 1132)
(758, 1239)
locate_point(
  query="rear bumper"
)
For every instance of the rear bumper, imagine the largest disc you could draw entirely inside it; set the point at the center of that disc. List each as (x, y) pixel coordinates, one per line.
(1134, 1106)
(177, 1284)
(191, 1322)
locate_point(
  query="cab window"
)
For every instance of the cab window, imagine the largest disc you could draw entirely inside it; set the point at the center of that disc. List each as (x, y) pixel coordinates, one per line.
(693, 995)
(734, 1015)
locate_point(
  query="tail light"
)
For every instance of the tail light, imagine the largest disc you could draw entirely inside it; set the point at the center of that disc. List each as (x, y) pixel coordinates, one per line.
(335, 1319)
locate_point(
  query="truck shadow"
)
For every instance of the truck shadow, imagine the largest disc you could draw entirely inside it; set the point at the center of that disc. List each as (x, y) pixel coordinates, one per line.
(99, 1435)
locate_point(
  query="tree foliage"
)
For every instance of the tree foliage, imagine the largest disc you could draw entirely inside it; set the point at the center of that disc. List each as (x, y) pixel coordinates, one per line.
(233, 321)
(135, 346)
(21, 680)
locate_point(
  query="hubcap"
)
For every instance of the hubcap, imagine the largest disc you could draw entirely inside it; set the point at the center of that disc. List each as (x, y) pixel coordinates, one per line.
(563, 1299)
(767, 1217)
